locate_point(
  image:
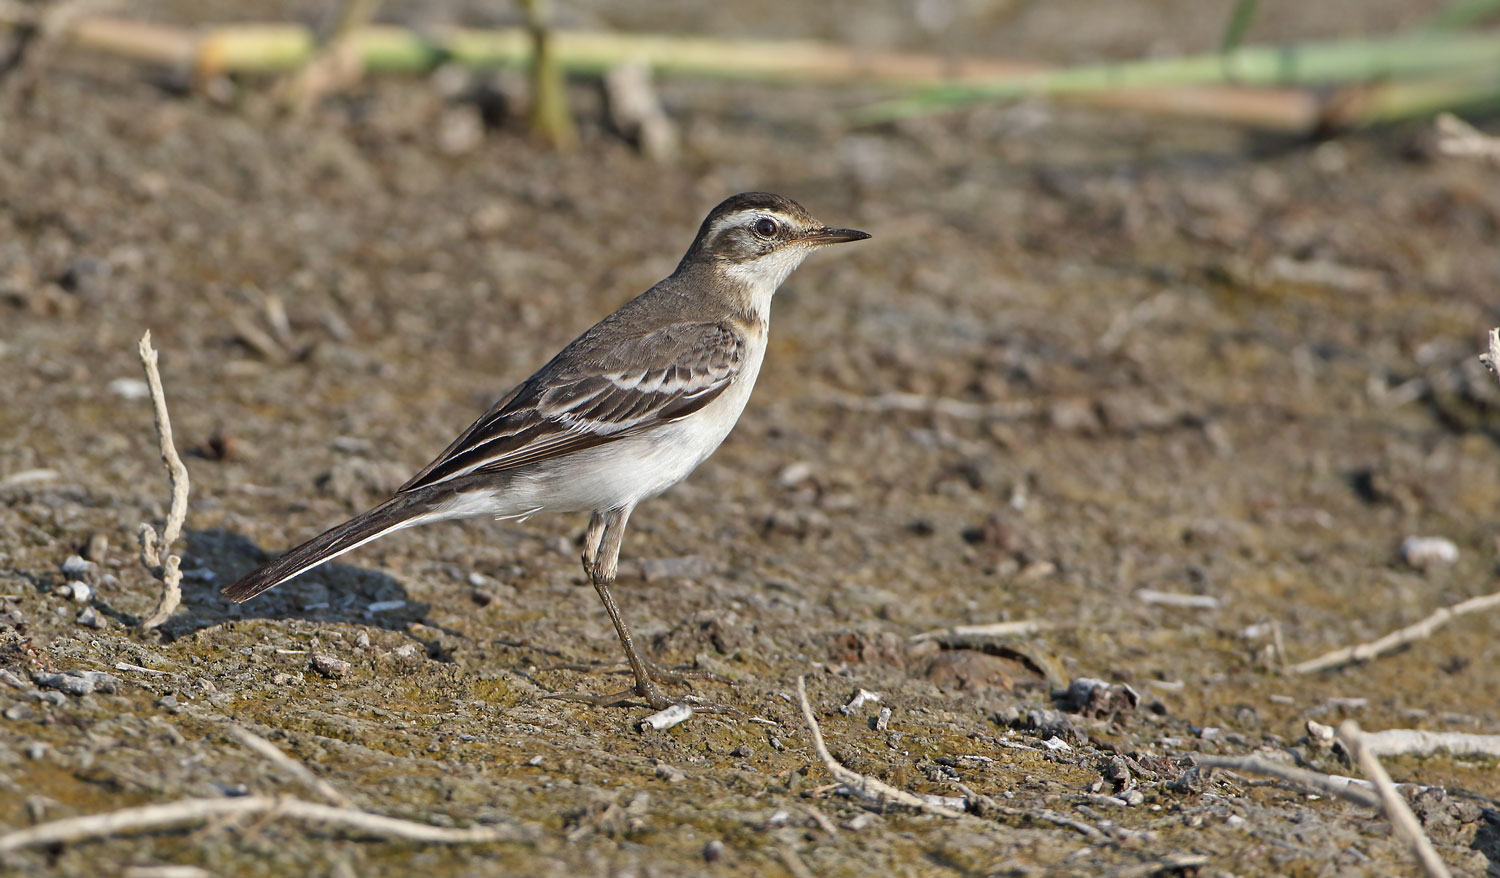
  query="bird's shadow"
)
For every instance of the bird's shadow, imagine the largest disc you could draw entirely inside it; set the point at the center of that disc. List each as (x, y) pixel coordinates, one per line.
(333, 593)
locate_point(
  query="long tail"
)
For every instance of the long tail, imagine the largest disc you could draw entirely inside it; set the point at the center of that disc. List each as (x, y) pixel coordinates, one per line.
(393, 514)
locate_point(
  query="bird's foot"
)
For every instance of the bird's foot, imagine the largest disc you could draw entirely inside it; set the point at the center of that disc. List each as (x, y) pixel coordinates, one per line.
(674, 676)
(648, 691)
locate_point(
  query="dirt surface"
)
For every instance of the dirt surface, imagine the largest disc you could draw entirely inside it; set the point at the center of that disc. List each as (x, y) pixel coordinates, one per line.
(1175, 358)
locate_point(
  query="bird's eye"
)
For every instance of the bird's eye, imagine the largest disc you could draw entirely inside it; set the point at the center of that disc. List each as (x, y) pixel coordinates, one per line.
(766, 227)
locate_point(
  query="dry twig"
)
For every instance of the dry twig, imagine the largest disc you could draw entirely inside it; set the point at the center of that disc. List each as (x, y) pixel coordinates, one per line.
(868, 788)
(1396, 809)
(1458, 138)
(1415, 742)
(336, 66)
(1311, 781)
(960, 636)
(952, 408)
(1363, 652)
(255, 743)
(166, 569)
(188, 812)
(1491, 360)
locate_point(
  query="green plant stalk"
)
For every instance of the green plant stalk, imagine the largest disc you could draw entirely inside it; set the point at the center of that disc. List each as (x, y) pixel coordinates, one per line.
(1461, 14)
(1301, 65)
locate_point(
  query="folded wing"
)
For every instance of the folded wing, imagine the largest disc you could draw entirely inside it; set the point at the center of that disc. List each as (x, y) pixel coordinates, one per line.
(595, 393)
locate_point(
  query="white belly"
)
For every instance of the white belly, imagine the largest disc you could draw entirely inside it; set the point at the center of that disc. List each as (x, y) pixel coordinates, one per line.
(619, 473)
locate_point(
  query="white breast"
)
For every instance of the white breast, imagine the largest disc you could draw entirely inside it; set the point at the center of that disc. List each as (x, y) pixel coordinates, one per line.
(626, 471)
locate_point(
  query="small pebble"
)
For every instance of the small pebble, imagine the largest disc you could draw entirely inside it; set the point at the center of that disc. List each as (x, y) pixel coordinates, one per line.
(1427, 552)
(20, 712)
(78, 682)
(98, 547)
(669, 773)
(90, 619)
(36, 750)
(384, 606)
(362, 639)
(77, 591)
(482, 597)
(329, 666)
(861, 821)
(713, 851)
(884, 720)
(77, 568)
(130, 388)
(743, 751)
(407, 650)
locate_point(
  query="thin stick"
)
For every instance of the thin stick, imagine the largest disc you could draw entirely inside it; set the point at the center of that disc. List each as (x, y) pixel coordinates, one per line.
(794, 863)
(953, 408)
(868, 788)
(255, 743)
(966, 635)
(1363, 652)
(1416, 742)
(1396, 809)
(1491, 360)
(1458, 138)
(335, 66)
(988, 804)
(167, 569)
(193, 811)
(1322, 784)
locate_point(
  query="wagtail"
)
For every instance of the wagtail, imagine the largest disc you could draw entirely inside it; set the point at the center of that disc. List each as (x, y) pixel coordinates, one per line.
(621, 414)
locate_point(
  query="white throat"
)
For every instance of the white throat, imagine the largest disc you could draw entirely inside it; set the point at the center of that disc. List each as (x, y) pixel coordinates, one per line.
(761, 277)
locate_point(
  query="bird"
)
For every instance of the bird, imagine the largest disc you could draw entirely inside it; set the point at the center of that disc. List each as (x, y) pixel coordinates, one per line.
(626, 410)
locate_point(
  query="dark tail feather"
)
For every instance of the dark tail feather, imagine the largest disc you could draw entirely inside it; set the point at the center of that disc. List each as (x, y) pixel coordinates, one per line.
(326, 546)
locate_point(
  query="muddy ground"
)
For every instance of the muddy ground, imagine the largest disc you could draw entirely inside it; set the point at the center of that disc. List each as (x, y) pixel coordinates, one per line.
(1185, 359)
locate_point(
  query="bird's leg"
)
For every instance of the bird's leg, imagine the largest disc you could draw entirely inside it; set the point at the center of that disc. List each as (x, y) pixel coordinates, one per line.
(602, 542)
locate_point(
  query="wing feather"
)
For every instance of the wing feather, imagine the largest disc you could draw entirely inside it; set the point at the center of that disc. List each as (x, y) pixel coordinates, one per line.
(595, 393)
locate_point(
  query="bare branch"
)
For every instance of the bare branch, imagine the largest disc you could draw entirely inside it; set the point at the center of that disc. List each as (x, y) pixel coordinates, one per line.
(1491, 360)
(1395, 807)
(163, 566)
(188, 812)
(1458, 138)
(255, 743)
(868, 788)
(1363, 652)
(1322, 784)
(1416, 742)
(969, 635)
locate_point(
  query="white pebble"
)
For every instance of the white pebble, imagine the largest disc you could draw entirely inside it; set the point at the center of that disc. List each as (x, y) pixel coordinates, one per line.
(1425, 552)
(130, 388)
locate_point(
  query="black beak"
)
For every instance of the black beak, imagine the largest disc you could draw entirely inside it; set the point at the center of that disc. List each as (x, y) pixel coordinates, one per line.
(826, 235)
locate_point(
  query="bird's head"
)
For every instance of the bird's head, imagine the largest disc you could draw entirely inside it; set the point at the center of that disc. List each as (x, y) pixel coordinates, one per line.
(757, 239)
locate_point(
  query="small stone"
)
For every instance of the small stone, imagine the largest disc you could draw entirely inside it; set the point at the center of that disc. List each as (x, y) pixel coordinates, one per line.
(90, 619)
(362, 640)
(36, 750)
(482, 597)
(282, 678)
(713, 851)
(78, 682)
(130, 388)
(329, 666)
(98, 547)
(77, 591)
(77, 568)
(408, 650)
(861, 821)
(1424, 553)
(21, 712)
(669, 773)
(743, 751)
(883, 720)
